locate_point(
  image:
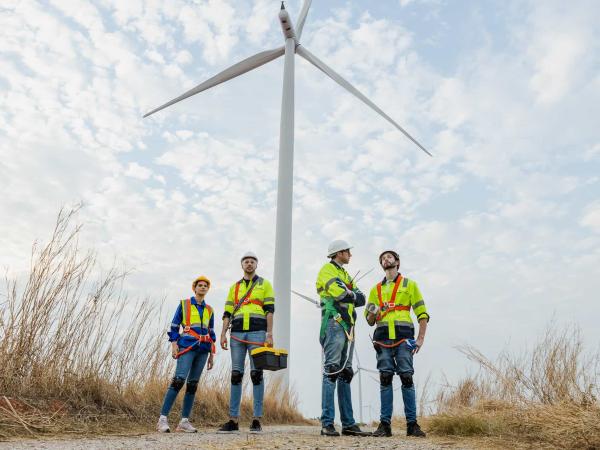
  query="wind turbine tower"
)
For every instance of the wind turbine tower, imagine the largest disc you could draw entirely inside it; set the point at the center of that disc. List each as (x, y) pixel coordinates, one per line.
(283, 230)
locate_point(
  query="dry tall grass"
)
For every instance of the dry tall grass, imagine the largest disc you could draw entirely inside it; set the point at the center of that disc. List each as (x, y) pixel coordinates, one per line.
(547, 397)
(76, 355)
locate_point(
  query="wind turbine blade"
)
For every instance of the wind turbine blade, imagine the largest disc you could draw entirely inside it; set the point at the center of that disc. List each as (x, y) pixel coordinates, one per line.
(302, 18)
(346, 85)
(237, 69)
(307, 298)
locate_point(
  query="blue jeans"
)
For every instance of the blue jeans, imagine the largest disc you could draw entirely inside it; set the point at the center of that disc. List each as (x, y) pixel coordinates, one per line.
(398, 360)
(190, 366)
(336, 348)
(238, 360)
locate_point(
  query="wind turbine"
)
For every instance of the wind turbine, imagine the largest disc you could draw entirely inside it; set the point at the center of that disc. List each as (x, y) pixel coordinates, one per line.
(283, 229)
(359, 369)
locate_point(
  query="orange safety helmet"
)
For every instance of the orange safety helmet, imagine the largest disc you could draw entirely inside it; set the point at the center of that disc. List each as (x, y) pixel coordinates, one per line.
(200, 278)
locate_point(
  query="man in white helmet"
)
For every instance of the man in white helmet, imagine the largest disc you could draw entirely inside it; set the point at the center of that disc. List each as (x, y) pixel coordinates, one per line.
(339, 296)
(249, 310)
(390, 302)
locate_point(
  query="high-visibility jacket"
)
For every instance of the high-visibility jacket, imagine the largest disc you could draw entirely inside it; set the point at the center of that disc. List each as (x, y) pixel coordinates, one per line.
(395, 299)
(252, 312)
(332, 282)
(201, 322)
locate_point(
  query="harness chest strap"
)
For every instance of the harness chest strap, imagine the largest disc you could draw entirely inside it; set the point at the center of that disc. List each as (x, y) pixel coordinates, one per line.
(187, 320)
(248, 300)
(385, 309)
(254, 301)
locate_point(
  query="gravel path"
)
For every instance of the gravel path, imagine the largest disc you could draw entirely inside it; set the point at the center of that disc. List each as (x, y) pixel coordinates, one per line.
(274, 437)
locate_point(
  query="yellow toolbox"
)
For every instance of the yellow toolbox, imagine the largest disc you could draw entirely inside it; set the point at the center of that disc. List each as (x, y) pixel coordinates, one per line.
(268, 358)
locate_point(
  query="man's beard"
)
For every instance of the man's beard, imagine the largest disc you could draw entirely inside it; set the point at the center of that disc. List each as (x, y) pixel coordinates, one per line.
(389, 265)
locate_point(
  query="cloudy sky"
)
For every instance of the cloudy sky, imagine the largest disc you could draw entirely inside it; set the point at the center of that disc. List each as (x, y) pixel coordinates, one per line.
(501, 228)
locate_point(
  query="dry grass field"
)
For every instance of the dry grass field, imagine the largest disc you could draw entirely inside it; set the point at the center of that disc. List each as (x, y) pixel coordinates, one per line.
(547, 397)
(77, 358)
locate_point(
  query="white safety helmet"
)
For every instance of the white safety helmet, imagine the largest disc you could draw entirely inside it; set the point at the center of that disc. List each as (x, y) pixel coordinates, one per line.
(337, 246)
(249, 255)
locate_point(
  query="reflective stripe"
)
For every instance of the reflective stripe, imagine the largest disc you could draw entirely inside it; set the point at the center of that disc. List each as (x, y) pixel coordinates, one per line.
(341, 296)
(186, 312)
(269, 300)
(416, 305)
(330, 282)
(254, 316)
(174, 325)
(405, 283)
(396, 323)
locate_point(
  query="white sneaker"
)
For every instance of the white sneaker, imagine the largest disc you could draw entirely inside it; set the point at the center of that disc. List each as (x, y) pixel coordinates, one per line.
(185, 426)
(163, 425)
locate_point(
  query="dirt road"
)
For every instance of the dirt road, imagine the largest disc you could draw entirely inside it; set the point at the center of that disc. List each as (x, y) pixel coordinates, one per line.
(274, 437)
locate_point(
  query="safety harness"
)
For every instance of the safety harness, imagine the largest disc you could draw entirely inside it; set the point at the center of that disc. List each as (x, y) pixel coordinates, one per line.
(387, 307)
(331, 309)
(245, 300)
(187, 329)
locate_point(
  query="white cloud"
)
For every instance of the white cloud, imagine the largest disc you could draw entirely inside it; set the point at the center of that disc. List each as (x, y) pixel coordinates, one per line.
(591, 217)
(137, 171)
(484, 225)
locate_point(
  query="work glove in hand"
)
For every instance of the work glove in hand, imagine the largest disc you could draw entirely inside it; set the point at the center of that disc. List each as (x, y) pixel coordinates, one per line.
(372, 308)
(349, 298)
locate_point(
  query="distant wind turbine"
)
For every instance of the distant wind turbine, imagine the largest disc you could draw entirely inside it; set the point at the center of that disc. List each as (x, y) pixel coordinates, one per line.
(283, 229)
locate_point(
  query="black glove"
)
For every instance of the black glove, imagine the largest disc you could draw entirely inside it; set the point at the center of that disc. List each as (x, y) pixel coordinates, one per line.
(360, 299)
(349, 298)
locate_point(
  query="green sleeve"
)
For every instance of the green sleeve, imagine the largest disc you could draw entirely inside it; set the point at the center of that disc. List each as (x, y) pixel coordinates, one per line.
(327, 280)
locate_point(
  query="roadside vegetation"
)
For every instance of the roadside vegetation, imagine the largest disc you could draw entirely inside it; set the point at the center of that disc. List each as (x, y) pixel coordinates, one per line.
(78, 356)
(546, 397)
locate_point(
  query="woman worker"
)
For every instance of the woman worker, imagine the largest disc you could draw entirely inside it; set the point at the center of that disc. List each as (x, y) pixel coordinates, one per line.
(191, 348)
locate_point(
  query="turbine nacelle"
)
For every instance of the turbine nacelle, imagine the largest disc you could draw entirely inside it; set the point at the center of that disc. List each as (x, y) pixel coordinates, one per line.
(286, 24)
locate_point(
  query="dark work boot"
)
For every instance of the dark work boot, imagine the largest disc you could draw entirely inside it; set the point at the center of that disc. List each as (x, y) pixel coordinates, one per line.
(255, 426)
(329, 430)
(413, 429)
(229, 427)
(354, 430)
(383, 430)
